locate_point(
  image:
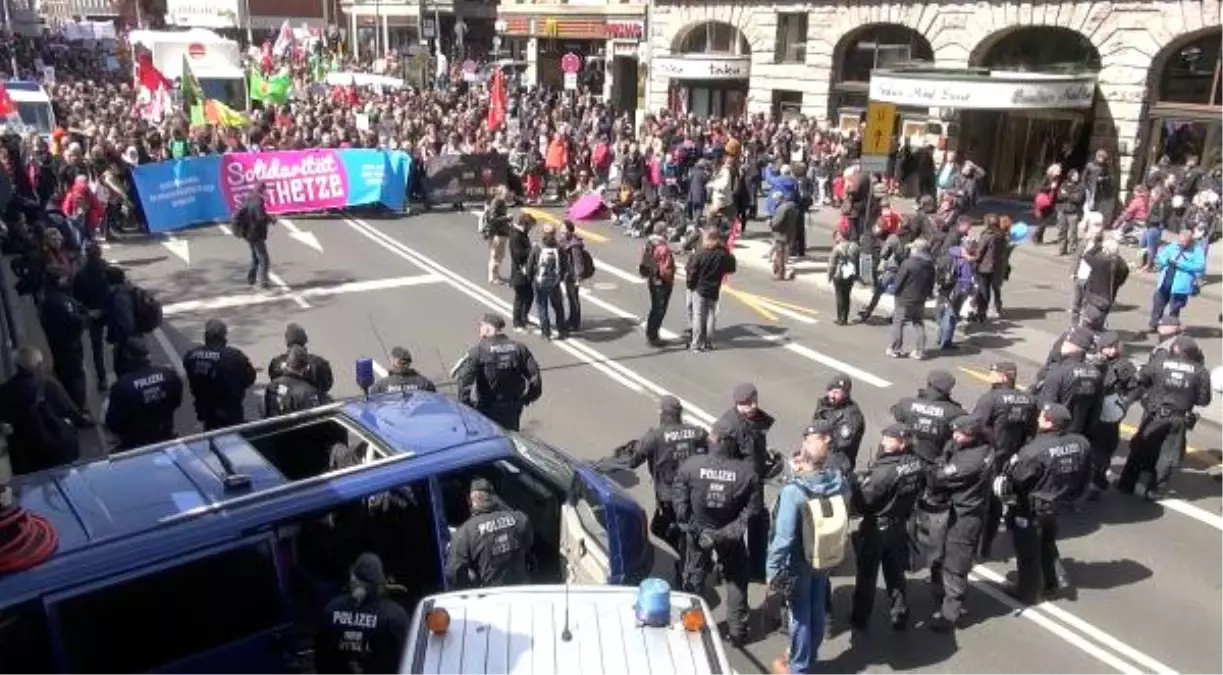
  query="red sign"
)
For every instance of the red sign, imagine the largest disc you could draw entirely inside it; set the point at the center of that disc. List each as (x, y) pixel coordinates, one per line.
(571, 63)
(625, 30)
(195, 50)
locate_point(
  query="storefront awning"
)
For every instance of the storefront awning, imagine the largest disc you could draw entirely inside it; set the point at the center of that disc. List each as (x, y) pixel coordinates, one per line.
(982, 89)
(703, 67)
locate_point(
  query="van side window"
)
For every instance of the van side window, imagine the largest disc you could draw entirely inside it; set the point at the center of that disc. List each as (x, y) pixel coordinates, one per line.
(25, 644)
(159, 618)
(590, 512)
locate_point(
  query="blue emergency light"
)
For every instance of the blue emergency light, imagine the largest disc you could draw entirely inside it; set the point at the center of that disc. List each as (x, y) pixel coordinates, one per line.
(365, 374)
(654, 603)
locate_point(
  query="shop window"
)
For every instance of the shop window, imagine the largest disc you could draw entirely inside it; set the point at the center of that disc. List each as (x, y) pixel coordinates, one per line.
(791, 43)
(787, 104)
(881, 46)
(1192, 74)
(715, 37)
(176, 612)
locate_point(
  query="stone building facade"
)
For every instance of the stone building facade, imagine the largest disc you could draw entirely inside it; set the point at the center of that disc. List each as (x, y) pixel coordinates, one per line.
(1132, 40)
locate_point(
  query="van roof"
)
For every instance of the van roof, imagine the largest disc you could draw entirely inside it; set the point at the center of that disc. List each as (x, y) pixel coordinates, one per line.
(159, 502)
(26, 91)
(517, 629)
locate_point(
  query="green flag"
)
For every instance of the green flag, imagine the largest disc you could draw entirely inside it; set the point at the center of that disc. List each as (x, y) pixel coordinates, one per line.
(274, 89)
(193, 94)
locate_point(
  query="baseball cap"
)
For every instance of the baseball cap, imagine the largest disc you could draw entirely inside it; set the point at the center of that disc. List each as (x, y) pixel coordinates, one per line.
(401, 354)
(482, 485)
(368, 569)
(840, 381)
(895, 430)
(821, 427)
(295, 335)
(940, 380)
(1056, 413)
(1005, 367)
(745, 393)
(1108, 339)
(670, 404)
(1080, 337)
(965, 423)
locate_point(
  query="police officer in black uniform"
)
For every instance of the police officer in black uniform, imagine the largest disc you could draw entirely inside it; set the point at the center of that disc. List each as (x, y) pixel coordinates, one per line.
(1074, 381)
(749, 425)
(885, 496)
(1008, 418)
(503, 374)
(219, 376)
(402, 377)
(928, 415)
(1175, 384)
(1120, 389)
(663, 449)
(292, 390)
(838, 407)
(318, 369)
(957, 496)
(1091, 323)
(363, 630)
(142, 401)
(1048, 473)
(716, 495)
(491, 548)
(63, 323)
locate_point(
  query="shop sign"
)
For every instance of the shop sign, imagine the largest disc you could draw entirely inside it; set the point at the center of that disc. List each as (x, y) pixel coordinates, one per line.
(994, 91)
(696, 67)
(619, 29)
(624, 48)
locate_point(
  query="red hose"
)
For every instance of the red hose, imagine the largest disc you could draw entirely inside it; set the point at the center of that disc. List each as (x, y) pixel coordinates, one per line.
(34, 541)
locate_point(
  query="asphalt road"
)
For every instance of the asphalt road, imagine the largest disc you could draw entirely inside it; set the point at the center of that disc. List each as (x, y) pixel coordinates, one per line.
(1148, 575)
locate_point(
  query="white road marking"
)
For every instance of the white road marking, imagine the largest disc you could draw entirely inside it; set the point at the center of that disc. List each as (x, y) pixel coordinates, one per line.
(636, 382)
(625, 275)
(179, 247)
(1195, 512)
(278, 282)
(246, 299)
(809, 353)
(163, 341)
(225, 229)
(612, 309)
(303, 236)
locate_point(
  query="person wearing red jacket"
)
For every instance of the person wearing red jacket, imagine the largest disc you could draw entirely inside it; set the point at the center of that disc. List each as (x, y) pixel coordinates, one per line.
(83, 207)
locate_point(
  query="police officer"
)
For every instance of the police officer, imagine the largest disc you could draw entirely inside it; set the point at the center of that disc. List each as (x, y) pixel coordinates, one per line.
(318, 369)
(749, 425)
(503, 374)
(1074, 381)
(1091, 323)
(142, 401)
(219, 376)
(292, 390)
(1168, 330)
(1175, 383)
(492, 546)
(363, 631)
(1051, 471)
(663, 449)
(716, 495)
(957, 494)
(885, 496)
(1008, 418)
(1121, 388)
(63, 324)
(402, 377)
(929, 414)
(837, 407)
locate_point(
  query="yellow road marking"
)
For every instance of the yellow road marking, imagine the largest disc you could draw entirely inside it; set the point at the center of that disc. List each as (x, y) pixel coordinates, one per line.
(1127, 430)
(537, 214)
(785, 305)
(751, 302)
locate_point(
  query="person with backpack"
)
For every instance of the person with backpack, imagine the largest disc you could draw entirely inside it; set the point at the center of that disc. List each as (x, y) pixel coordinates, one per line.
(131, 312)
(957, 284)
(219, 376)
(251, 222)
(657, 266)
(802, 552)
(843, 273)
(581, 268)
(44, 420)
(546, 268)
(143, 400)
(318, 369)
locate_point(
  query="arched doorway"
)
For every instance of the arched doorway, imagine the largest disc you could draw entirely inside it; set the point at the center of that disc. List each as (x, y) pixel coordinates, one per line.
(1017, 146)
(709, 70)
(1184, 114)
(857, 53)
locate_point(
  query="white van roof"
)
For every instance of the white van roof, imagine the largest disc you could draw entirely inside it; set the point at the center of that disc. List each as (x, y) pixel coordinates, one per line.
(24, 91)
(517, 629)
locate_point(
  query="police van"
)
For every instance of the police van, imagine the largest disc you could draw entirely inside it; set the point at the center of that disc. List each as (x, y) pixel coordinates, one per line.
(217, 552)
(575, 630)
(33, 106)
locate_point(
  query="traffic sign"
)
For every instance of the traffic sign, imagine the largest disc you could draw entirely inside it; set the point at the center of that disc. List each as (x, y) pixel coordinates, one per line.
(880, 121)
(571, 81)
(470, 66)
(571, 63)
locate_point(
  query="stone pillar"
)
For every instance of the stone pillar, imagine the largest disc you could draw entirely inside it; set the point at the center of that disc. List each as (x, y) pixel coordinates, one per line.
(353, 42)
(386, 36)
(532, 71)
(609, 59)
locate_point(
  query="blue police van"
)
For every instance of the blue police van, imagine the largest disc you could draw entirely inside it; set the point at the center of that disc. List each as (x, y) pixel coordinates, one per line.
(215, 553)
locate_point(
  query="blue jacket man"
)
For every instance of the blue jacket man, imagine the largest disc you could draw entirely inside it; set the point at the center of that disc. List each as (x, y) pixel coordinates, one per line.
(776, 182)
(813, 474)
(1180, 265)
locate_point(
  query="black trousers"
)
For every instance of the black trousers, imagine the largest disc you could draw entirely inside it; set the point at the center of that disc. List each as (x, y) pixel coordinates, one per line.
(886, 548)
(68, 366)
(949, 569)
(1104, 441)
(550, 309)
(664, 526)
(660, 299)
(798, 243)
(1036, 555)
(97, 329)
(758, 544)
(508, 415)
(524, 298)
(573, 308)
(732, 558)
(843, 288)
(1158, 448)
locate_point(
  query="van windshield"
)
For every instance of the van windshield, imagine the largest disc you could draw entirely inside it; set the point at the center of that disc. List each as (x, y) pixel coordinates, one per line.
(547, 460)
(35, 115)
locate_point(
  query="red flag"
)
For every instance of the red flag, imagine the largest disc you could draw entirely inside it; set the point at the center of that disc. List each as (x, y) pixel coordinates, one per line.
(496, 105)
(7, 107)
(148, 76)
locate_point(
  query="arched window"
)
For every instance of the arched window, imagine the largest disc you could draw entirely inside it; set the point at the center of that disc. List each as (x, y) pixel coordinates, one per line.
(1039, 48)
(860, 51)
(1191, 73)
(715, 37)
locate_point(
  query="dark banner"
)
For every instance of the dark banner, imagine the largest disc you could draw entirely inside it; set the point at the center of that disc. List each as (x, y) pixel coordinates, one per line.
(454, 179)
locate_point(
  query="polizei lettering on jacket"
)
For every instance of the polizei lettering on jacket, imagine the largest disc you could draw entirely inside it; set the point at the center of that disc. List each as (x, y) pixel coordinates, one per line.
(354, 619)
(678, 435)
(148, 381)
(496, 525)
(1066, 450)
(719, 475)
(928, 409)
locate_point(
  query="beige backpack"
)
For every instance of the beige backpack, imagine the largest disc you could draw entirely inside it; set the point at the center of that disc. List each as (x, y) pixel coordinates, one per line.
(825, 532)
